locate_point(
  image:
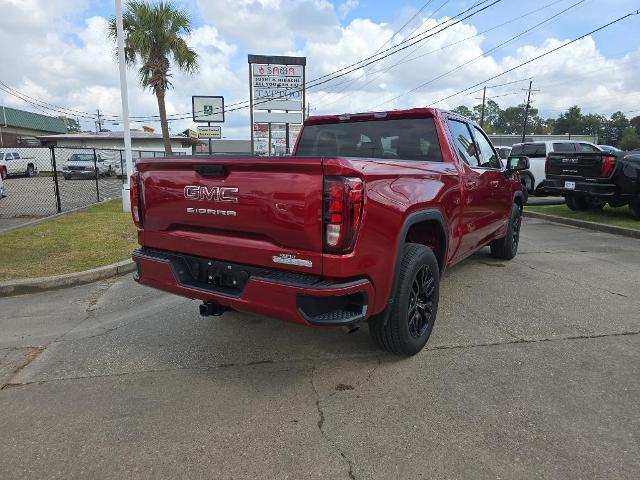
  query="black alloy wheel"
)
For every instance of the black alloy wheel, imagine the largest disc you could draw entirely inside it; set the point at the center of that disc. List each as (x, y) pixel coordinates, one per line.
(421, 301)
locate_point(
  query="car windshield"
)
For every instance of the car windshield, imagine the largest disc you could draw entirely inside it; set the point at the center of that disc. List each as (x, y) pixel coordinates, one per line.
(406, 139)
(79, 157)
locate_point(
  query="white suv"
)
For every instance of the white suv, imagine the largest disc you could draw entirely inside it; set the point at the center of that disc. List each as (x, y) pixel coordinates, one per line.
(11, 163)
(537, 153)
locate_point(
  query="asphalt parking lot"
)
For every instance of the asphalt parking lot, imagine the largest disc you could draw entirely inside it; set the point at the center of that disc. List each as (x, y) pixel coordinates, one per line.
(32, 198)
(533, 370)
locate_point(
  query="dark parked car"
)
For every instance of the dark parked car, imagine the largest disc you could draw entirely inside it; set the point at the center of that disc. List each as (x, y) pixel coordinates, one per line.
(591, 180)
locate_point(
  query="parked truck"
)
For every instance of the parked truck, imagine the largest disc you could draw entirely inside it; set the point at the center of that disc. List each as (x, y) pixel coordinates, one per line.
(589, 180)
(359, 224)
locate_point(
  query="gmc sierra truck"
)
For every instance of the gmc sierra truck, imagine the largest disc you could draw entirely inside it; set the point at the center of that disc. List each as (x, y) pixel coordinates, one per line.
(590, 180)
(359, 224)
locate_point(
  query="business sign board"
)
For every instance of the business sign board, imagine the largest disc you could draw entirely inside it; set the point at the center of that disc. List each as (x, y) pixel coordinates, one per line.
(277, 117)
(207, 109)
(277, 97)
(210, 132)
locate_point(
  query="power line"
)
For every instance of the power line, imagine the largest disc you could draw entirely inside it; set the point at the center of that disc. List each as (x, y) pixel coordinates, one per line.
(500, 45)
(531, 60)
(407, 43)
(350, 81)
(404, 59)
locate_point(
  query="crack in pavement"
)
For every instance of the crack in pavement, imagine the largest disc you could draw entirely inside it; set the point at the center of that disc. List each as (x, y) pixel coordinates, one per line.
(480, 314)
(377, 356)
(569, 279)
(31, 355)
(321, 419)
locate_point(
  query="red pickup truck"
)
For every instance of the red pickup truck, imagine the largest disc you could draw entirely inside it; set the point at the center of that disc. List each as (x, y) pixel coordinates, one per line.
(359, 224)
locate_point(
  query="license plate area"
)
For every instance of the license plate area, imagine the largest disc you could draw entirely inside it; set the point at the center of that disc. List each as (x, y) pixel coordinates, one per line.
(222, 277)
(570, 185)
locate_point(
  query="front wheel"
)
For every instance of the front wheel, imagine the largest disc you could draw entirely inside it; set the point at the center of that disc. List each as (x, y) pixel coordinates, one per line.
(414, 306)
(506, 248)
(3, 173)
(30, 171)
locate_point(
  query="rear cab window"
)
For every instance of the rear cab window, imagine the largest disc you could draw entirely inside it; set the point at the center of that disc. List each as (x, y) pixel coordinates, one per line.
(585, 147)
(531, 150)
(564, 147)
(403, 139)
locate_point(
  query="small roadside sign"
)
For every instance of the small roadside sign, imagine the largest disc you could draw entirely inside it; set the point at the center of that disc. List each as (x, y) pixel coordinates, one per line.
(192, 134)
(214, 133)
(207, 108)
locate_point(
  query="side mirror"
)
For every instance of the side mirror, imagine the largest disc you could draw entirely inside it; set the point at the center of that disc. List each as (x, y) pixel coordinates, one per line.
(517, 163)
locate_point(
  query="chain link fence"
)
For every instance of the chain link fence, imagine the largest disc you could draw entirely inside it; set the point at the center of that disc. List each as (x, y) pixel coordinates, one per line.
(43, 181)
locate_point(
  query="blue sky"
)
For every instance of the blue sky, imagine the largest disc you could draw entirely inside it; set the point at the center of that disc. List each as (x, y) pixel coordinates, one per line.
(61, 55)
(582, 19)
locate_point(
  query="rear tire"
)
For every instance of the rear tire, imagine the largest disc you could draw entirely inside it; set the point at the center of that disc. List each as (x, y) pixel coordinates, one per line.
(578, 203)
(415, 304)
(506, 248)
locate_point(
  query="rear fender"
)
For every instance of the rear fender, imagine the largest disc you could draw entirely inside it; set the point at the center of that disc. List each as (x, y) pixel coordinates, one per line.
(414, 218)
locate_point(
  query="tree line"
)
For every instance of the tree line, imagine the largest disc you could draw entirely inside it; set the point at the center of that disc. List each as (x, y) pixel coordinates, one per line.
(617, 130)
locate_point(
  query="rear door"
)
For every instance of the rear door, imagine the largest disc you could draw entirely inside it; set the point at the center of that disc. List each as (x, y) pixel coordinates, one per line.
(259, 211)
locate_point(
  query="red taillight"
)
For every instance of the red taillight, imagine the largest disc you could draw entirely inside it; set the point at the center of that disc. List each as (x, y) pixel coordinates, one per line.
(134, 195)
(608, 163)
(343, 198)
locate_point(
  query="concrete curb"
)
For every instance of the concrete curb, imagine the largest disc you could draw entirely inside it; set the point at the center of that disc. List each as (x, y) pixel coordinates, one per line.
(32, 285)
(626, 232)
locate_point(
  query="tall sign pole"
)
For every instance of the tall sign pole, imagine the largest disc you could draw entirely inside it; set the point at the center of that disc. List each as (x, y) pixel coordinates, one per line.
(124, 95)
(277, 99)
(484, 97)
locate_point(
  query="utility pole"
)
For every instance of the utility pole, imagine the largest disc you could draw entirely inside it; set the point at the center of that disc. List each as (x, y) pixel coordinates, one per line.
(484, 96)
(126, 205)
(99, 122)
(526, 111)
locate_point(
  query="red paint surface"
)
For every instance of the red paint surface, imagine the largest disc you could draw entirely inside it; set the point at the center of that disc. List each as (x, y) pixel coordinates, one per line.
(280, 212)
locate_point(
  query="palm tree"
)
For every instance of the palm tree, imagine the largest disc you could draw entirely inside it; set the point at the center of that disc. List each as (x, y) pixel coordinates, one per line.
(152, 39)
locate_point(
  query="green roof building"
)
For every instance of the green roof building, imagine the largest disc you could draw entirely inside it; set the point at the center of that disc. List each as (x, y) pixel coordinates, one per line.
(20, 128)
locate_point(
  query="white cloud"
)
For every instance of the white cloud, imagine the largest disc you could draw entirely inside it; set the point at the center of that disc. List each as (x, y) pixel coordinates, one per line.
(72, 64)
(269, 25)
(347, 7)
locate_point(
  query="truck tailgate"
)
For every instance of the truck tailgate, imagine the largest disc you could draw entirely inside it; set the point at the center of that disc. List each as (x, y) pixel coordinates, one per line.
(576, 164)
(259, 211)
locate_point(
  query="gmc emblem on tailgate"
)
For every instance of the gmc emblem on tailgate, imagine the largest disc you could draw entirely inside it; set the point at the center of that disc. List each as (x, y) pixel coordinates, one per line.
(213, 194)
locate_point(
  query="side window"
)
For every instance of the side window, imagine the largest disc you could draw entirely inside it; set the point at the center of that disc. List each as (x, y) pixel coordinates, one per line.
(463, 142)
(585, 147)
(488, 156)
(564, 147)
(8, 156)
(16, 156)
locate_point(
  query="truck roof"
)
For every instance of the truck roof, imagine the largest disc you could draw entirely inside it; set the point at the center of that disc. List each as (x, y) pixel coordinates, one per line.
(420, 112)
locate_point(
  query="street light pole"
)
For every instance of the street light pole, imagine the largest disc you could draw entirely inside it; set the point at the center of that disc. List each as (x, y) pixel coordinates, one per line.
(126, 202)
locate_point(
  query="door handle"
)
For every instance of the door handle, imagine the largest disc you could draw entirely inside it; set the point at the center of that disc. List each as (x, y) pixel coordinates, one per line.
(470, 184)
(495, 183)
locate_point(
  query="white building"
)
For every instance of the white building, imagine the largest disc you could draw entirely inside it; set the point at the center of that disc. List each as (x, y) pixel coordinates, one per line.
(145, 142)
